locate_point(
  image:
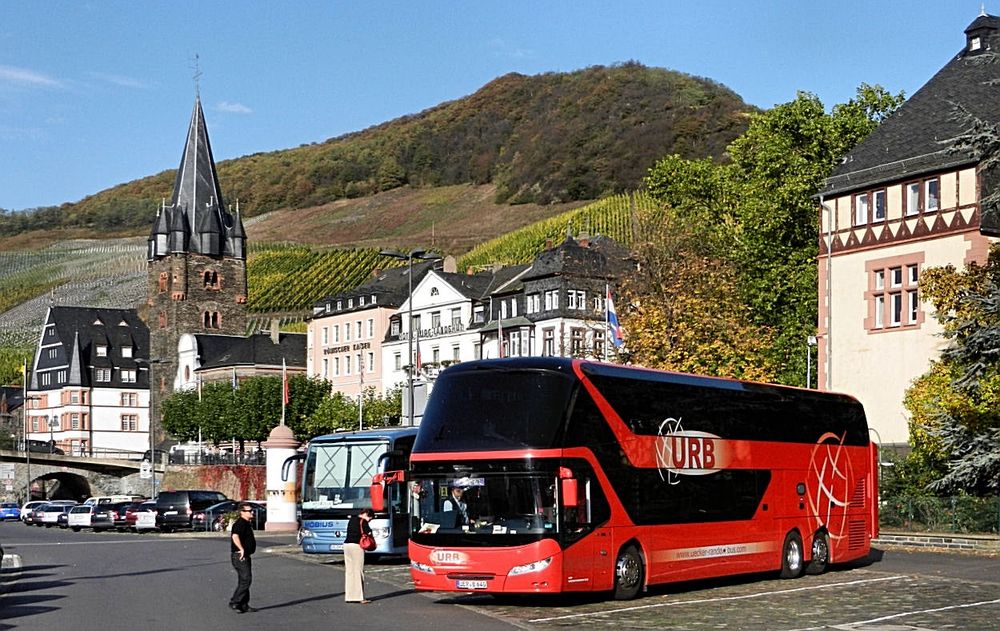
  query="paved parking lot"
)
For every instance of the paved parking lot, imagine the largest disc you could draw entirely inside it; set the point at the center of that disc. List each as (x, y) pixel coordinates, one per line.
(868, 598)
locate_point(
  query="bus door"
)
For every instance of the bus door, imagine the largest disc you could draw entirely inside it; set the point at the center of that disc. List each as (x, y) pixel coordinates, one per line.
(586, 544)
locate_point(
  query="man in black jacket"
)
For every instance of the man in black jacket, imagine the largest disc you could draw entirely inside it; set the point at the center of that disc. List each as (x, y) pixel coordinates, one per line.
(242, 545)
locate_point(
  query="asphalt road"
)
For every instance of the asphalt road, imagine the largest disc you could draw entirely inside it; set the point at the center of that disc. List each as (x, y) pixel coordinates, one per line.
(121, 581)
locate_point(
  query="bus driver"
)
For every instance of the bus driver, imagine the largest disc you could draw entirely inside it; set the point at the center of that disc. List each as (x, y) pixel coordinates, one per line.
(454, 502)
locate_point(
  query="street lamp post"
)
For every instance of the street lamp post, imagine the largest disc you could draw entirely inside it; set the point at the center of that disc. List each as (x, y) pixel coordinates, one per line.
(810, 342)
(424, 256)
(152, 451)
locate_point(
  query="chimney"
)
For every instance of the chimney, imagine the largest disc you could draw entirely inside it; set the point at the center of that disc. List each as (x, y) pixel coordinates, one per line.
(449, 266)
(275, 324)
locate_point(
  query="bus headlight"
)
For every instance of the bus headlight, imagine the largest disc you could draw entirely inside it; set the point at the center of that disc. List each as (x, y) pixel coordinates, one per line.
(527, 568)
(305, 532)
(420, 567)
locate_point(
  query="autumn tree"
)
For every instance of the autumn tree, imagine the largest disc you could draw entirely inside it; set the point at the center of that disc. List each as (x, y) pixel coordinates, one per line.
(955, 406)
(759, 211)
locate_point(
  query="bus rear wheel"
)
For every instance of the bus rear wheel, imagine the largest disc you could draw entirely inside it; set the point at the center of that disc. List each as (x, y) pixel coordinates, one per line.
(791, 556)
(628, 574)
(820, 554)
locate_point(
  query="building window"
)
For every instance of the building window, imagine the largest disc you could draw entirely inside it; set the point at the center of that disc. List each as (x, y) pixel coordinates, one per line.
(34, 423)
(599, 343)
(128, 375)
(477, 350)
(74, 421)
(394, 328)
(576, 299)
(893, 299)
(552, 300)
(211, 320)
(102, 351)
(211, 279)
(861, 209)
(162, 285)
(74, 396)
(456, 353)
(347, 332)
(912, 199)
(371, 328)
(532, 303)
(549, 342)
(357, 330)
(53, 353)
(436, 355)
(503, 310)
(371, 362)
(415, 324)
(931, 194)
(436, 320)
(336, 333)
(127, 351)
(130, 399)
(479, 314)
(102, 374)
(578, 342)
(347, 364)
(326, 336)
(513, 307)
(46, 378)
(130, 422)
(397, 361)
(336, 366)
(326, 368)
(61, 376)
(879, 205)
(975, 43)
(456, 317)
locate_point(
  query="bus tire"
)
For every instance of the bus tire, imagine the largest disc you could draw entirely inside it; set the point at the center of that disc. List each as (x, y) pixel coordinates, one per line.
(820, 556)
(791, 555)
(629, 574)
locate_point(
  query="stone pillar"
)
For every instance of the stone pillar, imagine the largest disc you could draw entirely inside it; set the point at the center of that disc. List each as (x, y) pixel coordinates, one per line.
(280, 445)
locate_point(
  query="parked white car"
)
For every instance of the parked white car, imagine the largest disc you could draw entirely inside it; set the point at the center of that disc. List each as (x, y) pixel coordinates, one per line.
(52, 510)
(29, 508)
(79, 517)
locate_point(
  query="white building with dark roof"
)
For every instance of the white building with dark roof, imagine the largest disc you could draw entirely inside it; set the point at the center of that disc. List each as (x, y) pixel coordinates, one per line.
(87, 392)
(909, 197)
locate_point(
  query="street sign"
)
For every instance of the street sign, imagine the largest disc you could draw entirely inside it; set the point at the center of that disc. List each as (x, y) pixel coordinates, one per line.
(145, 470)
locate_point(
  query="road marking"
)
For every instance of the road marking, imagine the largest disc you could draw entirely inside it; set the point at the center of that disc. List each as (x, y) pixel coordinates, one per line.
(981, 603)
(723, 598)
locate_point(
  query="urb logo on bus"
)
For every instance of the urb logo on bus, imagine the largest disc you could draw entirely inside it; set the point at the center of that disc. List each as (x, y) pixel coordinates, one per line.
(680, 452)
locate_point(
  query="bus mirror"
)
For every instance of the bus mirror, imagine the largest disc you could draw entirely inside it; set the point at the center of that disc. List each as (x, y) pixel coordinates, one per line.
(287, 464)
(568, 488)
(379, 482)
(378, 497)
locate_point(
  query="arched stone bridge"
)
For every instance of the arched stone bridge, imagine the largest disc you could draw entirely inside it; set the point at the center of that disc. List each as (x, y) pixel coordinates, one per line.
(56, 477)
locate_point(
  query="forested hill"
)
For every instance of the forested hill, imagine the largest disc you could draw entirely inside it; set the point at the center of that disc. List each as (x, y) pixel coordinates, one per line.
(554, 137)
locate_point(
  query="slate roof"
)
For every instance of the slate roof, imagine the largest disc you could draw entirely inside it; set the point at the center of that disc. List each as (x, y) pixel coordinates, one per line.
(77, 333)
(602, 258)
(224, 351)
(13, 396)
(391, 287)
(196, 219)
(918, 138)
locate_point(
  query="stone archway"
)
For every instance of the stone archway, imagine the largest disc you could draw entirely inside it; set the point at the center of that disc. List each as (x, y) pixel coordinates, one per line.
(61, 485)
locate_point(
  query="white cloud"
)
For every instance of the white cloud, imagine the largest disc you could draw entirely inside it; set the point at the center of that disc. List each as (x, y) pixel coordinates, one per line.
(120, 80)
(232, 108)
(23, 76)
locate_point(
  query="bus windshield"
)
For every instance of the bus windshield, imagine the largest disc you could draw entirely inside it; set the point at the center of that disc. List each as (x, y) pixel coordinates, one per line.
(338, 475)
(494, 409)
(485, 504)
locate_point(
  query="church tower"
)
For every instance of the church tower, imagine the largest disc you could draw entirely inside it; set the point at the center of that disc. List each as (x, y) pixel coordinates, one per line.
(196, 258)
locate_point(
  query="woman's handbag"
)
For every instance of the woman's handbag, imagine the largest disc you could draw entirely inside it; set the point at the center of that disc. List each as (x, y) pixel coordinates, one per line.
(367, 542)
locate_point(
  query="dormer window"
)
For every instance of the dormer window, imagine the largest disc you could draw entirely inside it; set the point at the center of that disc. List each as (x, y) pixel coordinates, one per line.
(102, 351)
(975, 43)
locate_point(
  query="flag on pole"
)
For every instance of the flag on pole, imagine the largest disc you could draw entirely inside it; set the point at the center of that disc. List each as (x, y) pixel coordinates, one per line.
(284, 384)
(617, 335)
(236, 383)
(499, 337)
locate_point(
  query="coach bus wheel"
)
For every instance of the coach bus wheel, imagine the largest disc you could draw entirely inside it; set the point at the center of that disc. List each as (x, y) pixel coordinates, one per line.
(628, 574)
(791, 556)
(820, 554)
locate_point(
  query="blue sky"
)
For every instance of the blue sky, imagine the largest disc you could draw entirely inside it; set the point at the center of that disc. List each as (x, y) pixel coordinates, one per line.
(97, 93)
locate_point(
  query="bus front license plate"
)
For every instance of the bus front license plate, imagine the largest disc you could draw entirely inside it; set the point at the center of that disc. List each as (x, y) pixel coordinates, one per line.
(336, 547)
(471, 584)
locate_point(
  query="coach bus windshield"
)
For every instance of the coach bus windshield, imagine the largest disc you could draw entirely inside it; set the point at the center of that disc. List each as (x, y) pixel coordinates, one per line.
(485, 505)
(495, 409)
(338, 476)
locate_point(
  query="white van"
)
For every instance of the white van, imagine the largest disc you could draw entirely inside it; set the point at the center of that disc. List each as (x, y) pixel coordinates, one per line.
(98, 500)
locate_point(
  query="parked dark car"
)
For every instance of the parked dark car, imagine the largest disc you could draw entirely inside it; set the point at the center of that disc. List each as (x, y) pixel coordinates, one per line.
(102, 518)
(175, 508)
(213, 517)
(119, 513)
(44, 447)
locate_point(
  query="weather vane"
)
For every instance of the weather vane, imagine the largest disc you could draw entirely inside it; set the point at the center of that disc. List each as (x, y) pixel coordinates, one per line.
(197, 76)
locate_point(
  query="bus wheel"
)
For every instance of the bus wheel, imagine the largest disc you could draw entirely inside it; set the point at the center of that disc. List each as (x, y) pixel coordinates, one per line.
(820, 554)
(791, 556)
(628, 574)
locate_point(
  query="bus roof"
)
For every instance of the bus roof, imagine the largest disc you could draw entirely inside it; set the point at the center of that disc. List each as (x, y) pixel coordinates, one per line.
(564, 365)
(378, 433)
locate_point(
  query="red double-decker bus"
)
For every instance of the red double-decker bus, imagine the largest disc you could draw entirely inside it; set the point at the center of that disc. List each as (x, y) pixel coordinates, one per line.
(543, 475)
